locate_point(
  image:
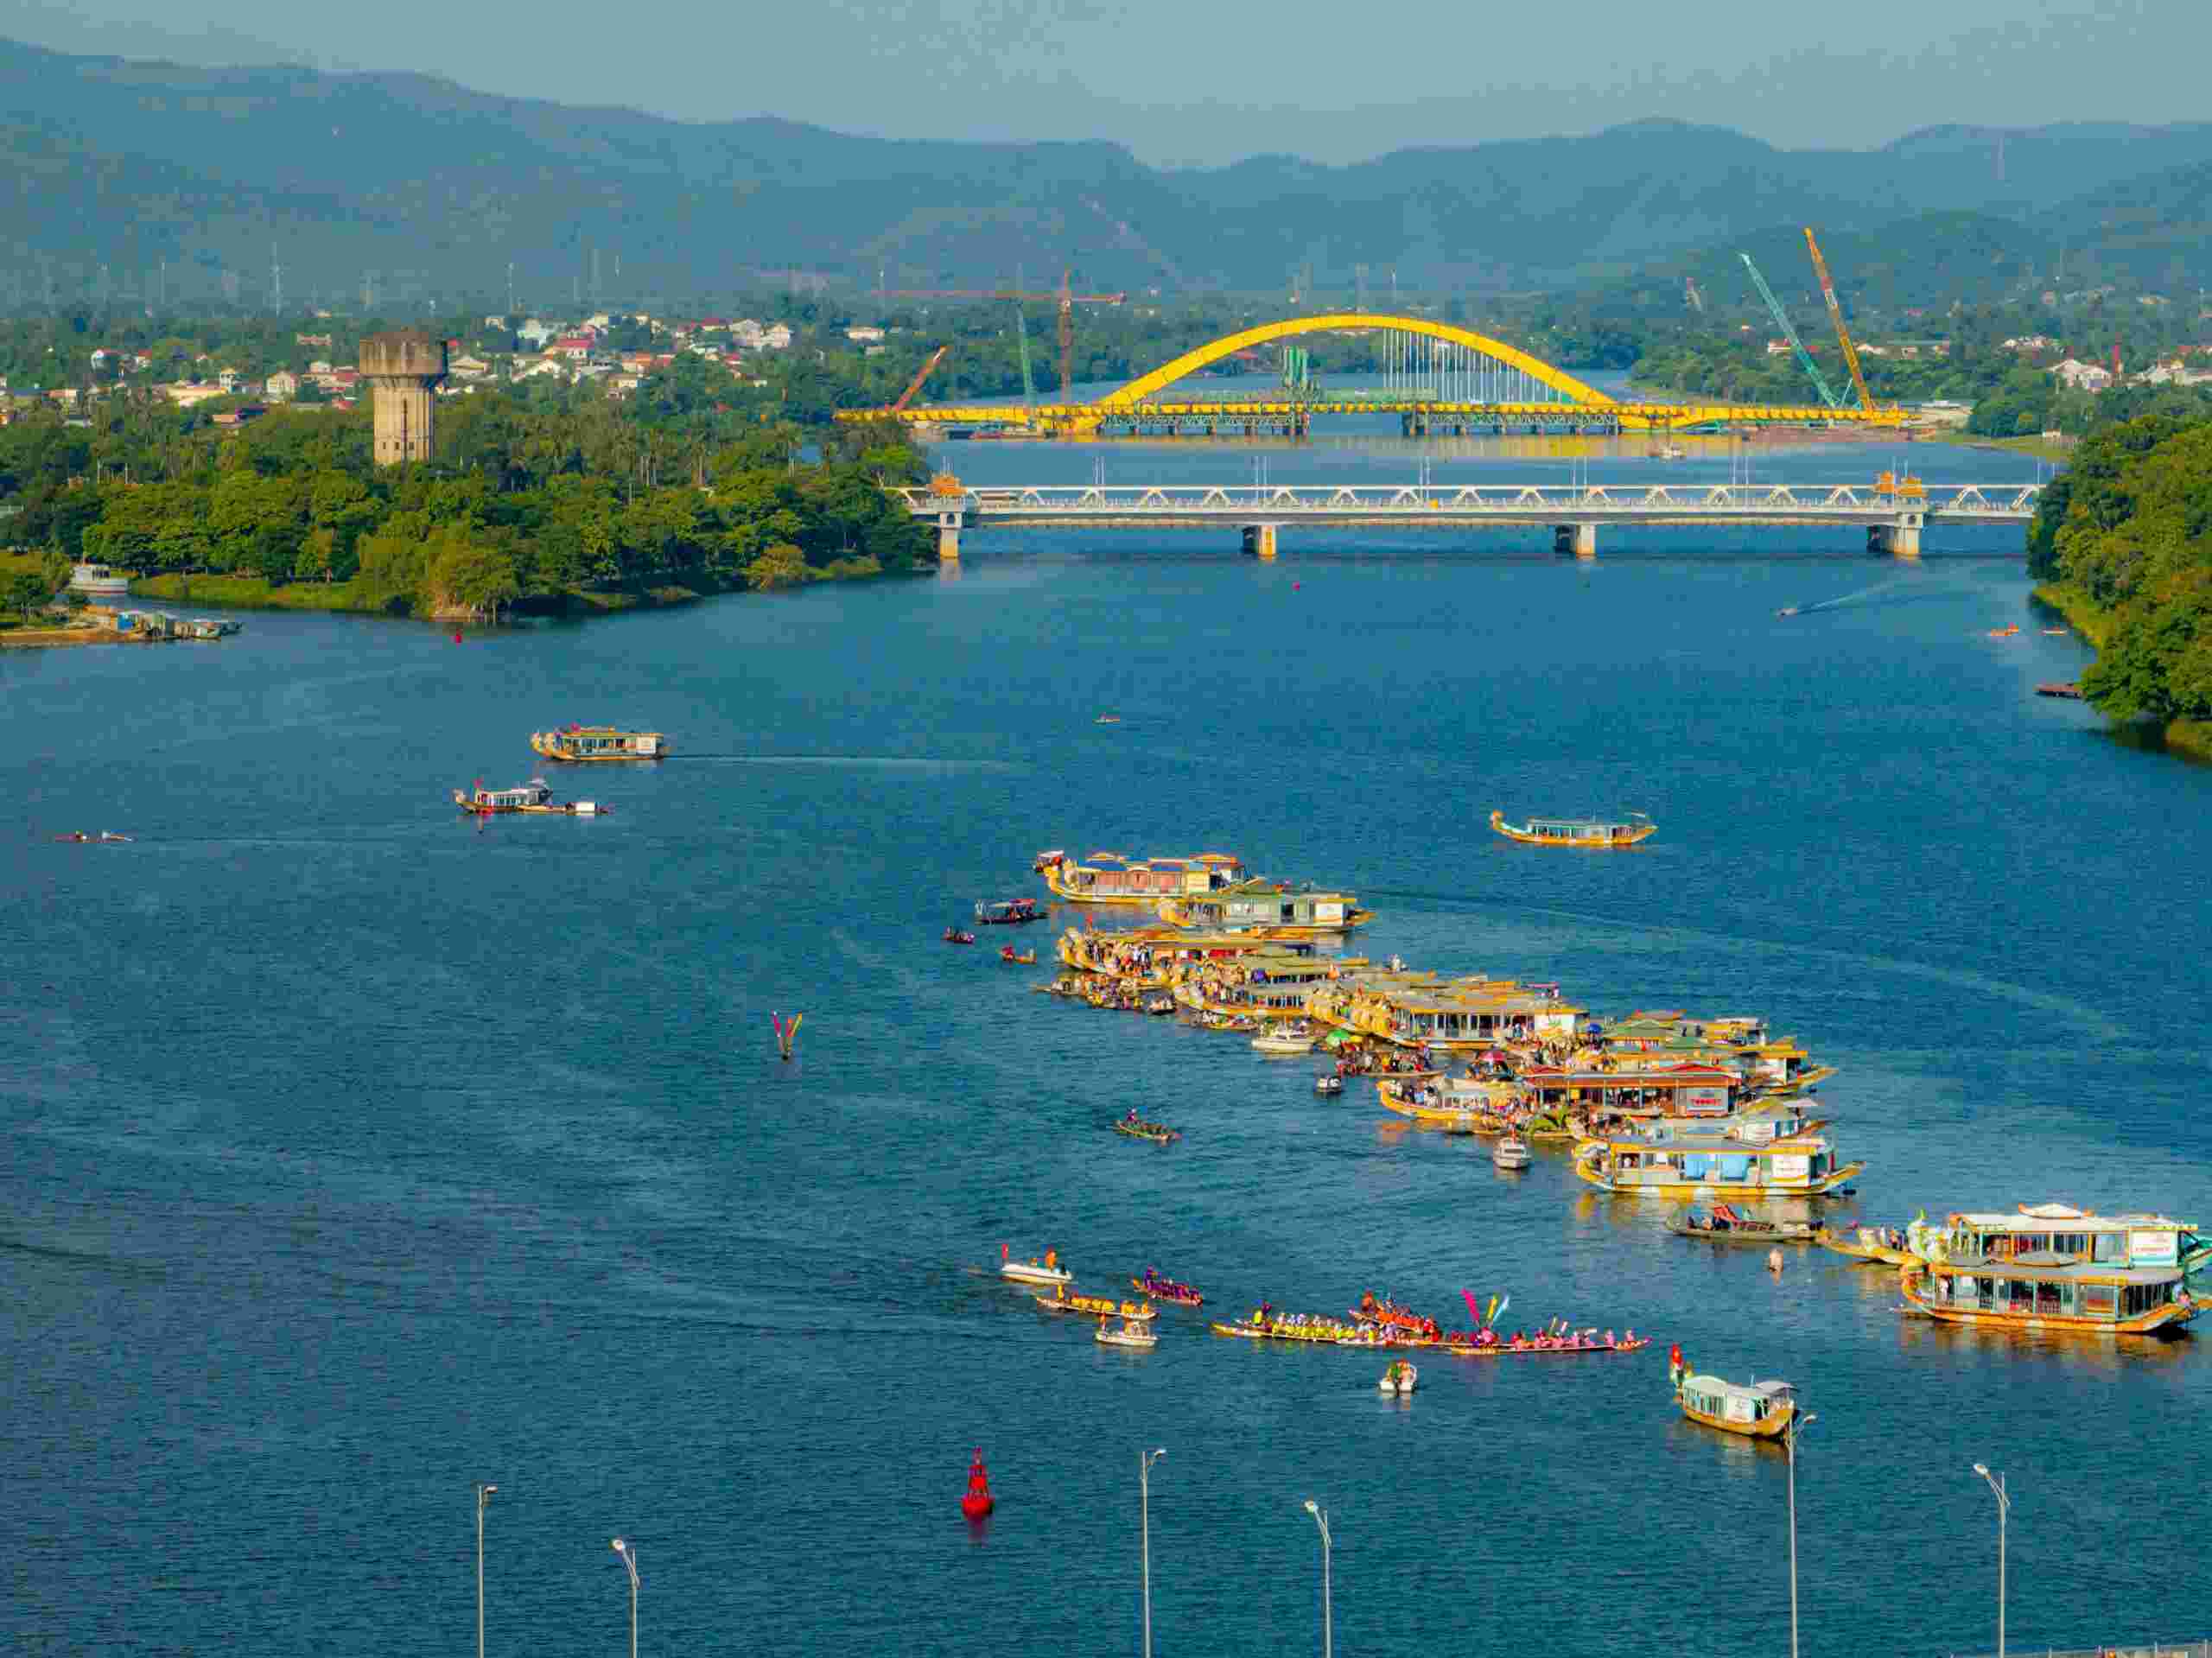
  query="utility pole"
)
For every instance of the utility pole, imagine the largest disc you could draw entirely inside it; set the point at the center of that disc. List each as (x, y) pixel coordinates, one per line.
(276, 283)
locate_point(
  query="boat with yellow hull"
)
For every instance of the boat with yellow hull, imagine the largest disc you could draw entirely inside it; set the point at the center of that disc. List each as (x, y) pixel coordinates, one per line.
(1865, 1243)
(532, 796)
(2058, 1298)
(1269, 909)
(1683, 1167)
(1758, 1410)
(1576, 831)
(1096, 1306)
(1109, 878)
(584, 743)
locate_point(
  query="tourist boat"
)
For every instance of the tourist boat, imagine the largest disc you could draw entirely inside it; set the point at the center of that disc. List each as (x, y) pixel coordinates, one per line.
(1328, 1084)
(1419, 1010)
(1109, 878)
(1872, 1243)
(1008, 913)
(1511, 1152)
(1271, 906)
(1031, 1272)
(581, 743)
(2076, 1237)
(1456, 1107)
(531, 797)
(1401, 1379)
(1576, 831)
(1096, 1306)
(1724, 1224)
(1131, 1334)
(1286, 1038)
(1166, 1289)
(2053, 1294)
(1758, 1410)
(1158, 1133)
(1805, 1167)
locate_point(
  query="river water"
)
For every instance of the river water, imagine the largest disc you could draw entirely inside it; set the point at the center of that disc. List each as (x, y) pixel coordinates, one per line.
(355, 1152)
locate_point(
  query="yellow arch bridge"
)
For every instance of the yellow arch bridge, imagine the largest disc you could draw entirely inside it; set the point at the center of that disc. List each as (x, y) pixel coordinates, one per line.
(1435, 378)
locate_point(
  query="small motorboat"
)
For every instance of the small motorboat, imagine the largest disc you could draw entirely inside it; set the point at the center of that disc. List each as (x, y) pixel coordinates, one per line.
(1724, 1223)
(103, 838)
(1160, 1006)
(1787, 610)
(954, 935)
(1137, 1128)
(1400, 1379)
(1285, 1039)
(1008, 913)
(2055, 633)
(1510, 1152)
(1108, 719)
(1131, 1334)
(1328, 1084)
(1017, 957)
(1032, 1272)
(532, 796)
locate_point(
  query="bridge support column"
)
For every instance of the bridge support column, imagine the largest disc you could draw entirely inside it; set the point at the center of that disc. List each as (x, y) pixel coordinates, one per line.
(1581, 539)
(948, 538)
(1260, 541)
(1899, 540)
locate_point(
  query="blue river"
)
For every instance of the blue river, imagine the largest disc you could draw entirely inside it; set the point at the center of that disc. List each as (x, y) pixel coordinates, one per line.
(355, 1150)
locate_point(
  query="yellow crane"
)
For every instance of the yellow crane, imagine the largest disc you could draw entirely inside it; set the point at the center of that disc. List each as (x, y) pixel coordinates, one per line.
(1835, 311)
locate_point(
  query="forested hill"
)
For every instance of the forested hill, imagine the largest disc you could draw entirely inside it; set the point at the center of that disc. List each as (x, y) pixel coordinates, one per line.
(434, 187)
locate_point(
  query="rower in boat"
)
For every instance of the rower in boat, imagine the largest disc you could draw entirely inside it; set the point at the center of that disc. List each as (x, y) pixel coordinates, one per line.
(954, 935)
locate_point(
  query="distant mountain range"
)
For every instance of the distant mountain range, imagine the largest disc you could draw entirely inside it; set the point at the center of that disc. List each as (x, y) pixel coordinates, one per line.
(436, 190)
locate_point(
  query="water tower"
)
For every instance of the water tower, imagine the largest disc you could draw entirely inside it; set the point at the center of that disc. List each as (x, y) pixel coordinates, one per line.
(404, 368)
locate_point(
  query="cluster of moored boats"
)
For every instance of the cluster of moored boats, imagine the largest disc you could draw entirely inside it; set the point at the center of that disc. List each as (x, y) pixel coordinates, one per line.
(571, 744)
(1714, 1112)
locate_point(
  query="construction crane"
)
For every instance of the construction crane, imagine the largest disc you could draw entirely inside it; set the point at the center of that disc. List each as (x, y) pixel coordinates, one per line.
(1066, 301)
(1835, 311)
(922, 374)
(1022, 344)
(1789, 332)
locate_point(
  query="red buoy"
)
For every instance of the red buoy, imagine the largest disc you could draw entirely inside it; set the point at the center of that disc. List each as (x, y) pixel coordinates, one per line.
(978, 1501)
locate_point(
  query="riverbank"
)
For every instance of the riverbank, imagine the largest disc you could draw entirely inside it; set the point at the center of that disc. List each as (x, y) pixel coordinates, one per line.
(2058, 454)
(2094, 623)
(254, 592)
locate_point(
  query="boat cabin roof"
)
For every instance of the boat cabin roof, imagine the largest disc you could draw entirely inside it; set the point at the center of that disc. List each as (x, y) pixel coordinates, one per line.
(1629, 821)
(1713, 1144)
(605, 731)
(1775, 1391)
(2073, 1220)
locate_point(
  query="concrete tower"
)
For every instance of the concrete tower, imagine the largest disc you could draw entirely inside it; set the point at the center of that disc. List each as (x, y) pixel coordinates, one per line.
(404, 367)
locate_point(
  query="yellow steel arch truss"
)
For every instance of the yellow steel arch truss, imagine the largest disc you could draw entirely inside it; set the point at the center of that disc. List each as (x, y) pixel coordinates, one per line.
(1190, 362)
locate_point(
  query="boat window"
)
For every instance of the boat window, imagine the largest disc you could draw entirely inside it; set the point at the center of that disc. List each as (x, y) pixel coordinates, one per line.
(2100, 1301)
(1985, 1293)
(2070, 1243)
(2108, 1248)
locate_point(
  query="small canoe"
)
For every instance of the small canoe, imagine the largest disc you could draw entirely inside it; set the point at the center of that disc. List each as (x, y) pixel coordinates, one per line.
(1747, 1232)
(1158, 1133)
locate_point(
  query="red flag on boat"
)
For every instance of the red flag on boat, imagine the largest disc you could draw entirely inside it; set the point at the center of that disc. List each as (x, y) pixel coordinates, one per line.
(1474, 1310)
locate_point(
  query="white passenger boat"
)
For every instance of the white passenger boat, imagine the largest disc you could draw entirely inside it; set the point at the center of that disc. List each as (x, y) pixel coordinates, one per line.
(1286, 1038)
(1510, 1152)
(1131, 1334)
(1031, 1272)
(1401, 1379)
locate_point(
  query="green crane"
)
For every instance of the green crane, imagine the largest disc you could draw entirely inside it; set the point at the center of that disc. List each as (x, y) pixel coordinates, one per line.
(1804, 357)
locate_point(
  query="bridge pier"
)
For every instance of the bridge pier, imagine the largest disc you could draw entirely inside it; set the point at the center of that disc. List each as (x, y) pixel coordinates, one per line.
(1899, 540)
(948, 538)
(1581, 539)
(1260, 541)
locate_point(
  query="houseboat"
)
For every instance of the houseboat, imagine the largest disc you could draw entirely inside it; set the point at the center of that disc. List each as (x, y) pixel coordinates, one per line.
(1108, 877)
(1660, 1091)
(1576, 831)
(1281, 910)
(1418, 1010)
(531, 797)
(2059, 1233)
(1758, 1410)
(1707, 1167)
(600, 743)
(99, 585)
(2050, 1293)
(1270, 982)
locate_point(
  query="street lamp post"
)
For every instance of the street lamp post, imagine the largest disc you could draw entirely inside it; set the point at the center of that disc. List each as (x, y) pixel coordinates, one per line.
(629, 1554)
(1797, 1426)
(1321, 1519)
(1145, 1460)
(483, 1495)
(1996, 1484)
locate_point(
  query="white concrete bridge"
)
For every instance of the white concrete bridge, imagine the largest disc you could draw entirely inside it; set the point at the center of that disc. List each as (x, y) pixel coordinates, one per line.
(1893, 516)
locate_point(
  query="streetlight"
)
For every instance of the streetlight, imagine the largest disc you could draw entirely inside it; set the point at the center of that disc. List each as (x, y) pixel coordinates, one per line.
(1321, 1519)
(1145, 1460)
(1797, 1426)
(1996, 1484)
(483, 1495)
(630, 1560)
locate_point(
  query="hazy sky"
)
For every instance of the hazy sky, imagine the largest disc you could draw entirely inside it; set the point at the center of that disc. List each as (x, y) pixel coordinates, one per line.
(1181, 82)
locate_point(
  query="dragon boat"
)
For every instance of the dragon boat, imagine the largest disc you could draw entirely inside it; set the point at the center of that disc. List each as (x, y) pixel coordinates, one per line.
(1166, 1289)
(1460, 1348)
(1096, 1306)
(1158, 1133)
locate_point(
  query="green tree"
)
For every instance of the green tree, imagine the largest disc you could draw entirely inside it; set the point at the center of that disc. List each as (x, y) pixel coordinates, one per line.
(25, 591)
(780, 566)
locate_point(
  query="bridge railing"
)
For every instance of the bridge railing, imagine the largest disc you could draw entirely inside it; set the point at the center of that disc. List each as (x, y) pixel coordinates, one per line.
(2002, 502)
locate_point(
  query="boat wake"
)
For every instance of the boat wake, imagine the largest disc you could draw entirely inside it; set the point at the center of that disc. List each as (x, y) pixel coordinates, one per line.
(883, 762)
(1838, 603)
